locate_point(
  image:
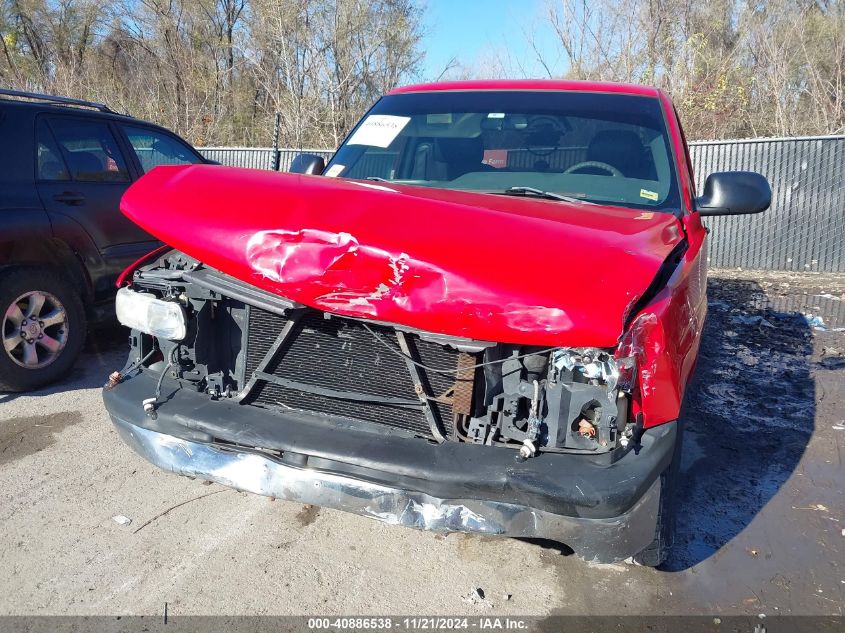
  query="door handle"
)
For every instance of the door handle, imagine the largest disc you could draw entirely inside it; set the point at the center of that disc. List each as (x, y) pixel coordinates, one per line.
(69, 197)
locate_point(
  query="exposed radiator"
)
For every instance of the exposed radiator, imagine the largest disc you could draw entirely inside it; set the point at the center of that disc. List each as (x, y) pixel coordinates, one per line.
(340, 355)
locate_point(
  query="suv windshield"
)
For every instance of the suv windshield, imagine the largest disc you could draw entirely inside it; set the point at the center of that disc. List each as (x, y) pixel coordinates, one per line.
(597, 147)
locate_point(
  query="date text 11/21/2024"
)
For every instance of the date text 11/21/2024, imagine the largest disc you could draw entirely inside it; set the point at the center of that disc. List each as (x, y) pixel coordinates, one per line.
(420, 623)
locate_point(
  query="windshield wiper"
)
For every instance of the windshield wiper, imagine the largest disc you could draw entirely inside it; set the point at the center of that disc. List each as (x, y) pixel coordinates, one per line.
(545, 195)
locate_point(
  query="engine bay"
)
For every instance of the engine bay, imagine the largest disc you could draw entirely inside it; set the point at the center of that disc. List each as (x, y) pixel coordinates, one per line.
(239, 342)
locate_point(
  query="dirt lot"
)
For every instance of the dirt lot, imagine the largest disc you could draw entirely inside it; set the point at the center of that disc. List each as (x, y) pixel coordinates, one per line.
(761, 525)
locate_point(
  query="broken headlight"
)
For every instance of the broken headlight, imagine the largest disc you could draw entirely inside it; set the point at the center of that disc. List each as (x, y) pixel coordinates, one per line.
(594, 366)
(142, 311)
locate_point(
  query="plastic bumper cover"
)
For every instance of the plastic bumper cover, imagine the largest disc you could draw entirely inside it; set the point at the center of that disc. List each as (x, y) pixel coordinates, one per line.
(503, 511)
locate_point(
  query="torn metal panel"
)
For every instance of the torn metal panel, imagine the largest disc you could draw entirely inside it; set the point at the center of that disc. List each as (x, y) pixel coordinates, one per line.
(463, 264)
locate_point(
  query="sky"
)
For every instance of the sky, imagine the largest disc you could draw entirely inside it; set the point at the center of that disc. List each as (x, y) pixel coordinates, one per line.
(475, 30)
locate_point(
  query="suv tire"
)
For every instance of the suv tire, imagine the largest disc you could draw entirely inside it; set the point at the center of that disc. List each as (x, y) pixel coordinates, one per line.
(43, 326)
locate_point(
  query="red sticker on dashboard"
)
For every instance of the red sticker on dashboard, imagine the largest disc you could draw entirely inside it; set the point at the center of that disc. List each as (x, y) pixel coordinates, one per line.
(497, 158)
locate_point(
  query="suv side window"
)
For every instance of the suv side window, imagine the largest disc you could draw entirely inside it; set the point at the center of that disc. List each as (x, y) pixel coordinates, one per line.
(90, 150)
(154, 148)
(51, 165)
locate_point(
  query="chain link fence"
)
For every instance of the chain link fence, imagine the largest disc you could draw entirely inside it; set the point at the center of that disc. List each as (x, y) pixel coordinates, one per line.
(803, 231)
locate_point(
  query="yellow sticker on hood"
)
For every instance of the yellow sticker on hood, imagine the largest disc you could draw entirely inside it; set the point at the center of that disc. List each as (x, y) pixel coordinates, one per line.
(649, 195)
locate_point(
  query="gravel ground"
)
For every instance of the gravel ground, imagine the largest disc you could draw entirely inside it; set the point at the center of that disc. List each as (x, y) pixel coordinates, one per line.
(761, 524)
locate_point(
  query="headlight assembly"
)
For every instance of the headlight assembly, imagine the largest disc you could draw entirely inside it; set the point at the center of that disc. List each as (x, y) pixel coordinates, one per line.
(144, 312)
(596, 366)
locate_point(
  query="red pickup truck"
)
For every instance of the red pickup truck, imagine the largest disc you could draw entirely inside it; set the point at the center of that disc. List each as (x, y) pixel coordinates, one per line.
(480, 316)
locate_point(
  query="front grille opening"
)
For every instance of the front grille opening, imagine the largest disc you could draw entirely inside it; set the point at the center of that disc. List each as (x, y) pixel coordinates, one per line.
(339, 354)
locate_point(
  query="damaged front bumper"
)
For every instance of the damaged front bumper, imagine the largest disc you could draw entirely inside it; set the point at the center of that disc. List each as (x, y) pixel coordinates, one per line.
(604, 510)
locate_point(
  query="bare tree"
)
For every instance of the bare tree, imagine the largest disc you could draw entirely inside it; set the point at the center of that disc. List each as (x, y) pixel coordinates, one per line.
(736, 68)
(217, 71)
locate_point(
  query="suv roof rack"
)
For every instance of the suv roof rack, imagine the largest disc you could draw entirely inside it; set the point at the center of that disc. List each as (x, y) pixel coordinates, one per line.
(57, 100)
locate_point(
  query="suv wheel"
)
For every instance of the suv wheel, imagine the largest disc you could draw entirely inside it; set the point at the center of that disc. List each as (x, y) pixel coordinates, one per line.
(43, 328)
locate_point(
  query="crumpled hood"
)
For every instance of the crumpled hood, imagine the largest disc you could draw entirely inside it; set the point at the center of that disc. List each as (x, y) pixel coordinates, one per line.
(481, 266)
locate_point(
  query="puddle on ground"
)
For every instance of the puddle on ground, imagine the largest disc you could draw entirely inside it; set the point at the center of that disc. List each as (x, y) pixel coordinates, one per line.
(748, 418)
(24, 436)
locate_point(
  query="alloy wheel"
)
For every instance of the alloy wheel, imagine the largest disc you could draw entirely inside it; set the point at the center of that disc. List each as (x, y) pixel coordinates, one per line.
(35, 329)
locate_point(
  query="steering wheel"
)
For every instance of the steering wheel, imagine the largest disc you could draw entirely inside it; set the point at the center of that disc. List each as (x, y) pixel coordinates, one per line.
(543, 132)
(598, 165)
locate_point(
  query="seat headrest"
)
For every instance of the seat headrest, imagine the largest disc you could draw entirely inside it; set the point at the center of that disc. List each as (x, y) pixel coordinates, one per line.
(84, 163)
(624, 150)
(609, 143)
(459, 150)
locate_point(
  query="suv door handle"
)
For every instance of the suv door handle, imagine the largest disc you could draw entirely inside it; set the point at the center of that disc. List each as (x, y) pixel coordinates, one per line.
(69, 197)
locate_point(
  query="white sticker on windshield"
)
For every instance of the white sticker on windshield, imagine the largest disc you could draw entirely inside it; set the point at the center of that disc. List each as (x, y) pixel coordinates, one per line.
(496, 115)
(334, 170)
(379, 130)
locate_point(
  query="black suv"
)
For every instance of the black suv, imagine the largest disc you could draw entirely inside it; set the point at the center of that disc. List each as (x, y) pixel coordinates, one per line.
(64, 165)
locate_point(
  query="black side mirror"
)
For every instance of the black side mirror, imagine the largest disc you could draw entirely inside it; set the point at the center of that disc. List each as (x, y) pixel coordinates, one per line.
(308, 164)
(734, 193)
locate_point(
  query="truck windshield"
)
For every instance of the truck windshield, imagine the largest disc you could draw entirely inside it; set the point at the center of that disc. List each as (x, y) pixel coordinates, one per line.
(597, 147)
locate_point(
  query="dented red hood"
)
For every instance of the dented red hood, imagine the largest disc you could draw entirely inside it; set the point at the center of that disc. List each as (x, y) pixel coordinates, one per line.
(474, 265)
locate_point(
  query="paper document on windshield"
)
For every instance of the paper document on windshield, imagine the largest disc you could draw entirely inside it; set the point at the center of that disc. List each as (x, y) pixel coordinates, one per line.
(379, 130)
